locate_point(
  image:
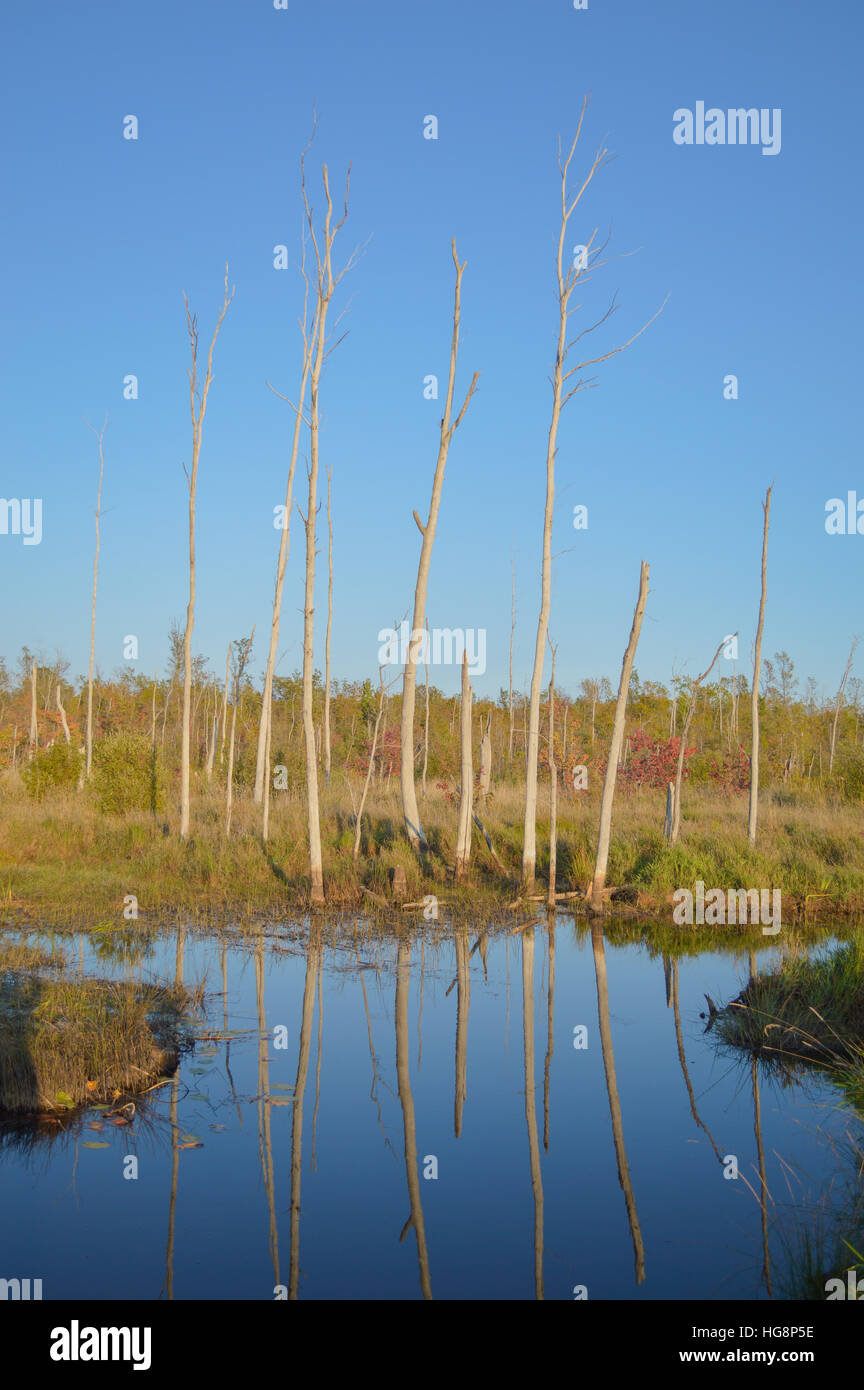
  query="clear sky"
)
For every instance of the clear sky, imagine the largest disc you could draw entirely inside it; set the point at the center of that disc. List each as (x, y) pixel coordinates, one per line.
(759, 254)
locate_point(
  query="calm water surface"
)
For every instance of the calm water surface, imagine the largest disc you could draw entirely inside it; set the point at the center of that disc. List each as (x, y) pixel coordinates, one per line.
(407, 1119)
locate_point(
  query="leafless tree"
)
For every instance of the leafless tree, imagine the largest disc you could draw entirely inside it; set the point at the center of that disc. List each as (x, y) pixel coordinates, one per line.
(326, 280)
(597, 886)
(100, 436)
(839, 703)
(449, 426)
(197, 405)
(753, 814)
(562, 391)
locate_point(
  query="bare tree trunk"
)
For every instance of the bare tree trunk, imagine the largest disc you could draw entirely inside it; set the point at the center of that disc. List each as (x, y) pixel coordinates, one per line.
(426, 724)
(199, 399)
(100, 435)
(211, 748)
(327, 637)
(34, 723)
(466, 792)
(153, 714)
(757, 672)
(553, 795)
(682, 747)
(223, 723)
(410, 811)
(261, 770)
(567, 282)
(265, 809)
(598, 883)
(326, 283)
(62, 714)
(839, 703)
(510, 677)
(486, 761)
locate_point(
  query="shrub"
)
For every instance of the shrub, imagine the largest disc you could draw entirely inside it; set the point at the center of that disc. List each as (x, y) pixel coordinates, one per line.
(52, 769)
(849, 774)
(127, 775)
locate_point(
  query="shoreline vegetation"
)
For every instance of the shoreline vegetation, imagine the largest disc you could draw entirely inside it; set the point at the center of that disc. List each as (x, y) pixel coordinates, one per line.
(66, 862)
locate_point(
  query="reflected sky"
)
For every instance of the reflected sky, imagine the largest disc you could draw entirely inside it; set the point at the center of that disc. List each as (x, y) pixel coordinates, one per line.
(382, 1118)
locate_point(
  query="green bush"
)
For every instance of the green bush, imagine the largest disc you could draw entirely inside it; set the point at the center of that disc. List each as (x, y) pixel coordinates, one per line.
(127, 775)
(52, 769)
(849, 774)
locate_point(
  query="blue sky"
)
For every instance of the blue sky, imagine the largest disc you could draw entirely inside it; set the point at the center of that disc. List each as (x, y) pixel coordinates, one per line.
(760, 257)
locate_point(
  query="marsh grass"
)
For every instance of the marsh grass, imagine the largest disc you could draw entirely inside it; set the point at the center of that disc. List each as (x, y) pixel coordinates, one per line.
(66, 1043)
(65, 863)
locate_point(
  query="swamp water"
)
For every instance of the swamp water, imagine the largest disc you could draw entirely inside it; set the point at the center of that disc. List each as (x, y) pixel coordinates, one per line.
(365, 1117)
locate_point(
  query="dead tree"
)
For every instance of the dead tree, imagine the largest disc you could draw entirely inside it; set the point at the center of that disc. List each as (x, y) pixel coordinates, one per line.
(597, 886)
(466, 791)
(262, 771)
(34, 723)
(197, 407)
(587, 260)
(510, 677)
(753, 813)
(672, 835)
(223, 721)
(326, 281)
(100, 435)
(839, 703)
(485, 778)
(327, 636)
(449, 426)
(553, 793)
(61, 711)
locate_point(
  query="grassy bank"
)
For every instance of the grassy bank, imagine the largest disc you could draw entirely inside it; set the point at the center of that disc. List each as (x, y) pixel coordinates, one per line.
(70, 1042)
(62, 862)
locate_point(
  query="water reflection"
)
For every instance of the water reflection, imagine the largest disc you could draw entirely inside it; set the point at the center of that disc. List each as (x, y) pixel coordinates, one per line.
(472, 1199)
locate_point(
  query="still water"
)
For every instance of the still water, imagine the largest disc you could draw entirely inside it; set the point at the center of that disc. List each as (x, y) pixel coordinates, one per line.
(371, 1117)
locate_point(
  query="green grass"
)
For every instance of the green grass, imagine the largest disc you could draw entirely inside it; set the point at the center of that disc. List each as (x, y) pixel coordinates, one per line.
(66, 1043)
(63, 862)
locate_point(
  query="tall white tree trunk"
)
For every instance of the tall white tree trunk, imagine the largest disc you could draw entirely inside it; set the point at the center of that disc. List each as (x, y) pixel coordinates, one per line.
(326, 282)
(753, 814)
(198, 406)
(223, 722)
(100, 435)
(410, 810)
(261, 769)
(839, 704)
(34, 723)
(466, 794)
(598, 882)
(584, 262)
(327, 636)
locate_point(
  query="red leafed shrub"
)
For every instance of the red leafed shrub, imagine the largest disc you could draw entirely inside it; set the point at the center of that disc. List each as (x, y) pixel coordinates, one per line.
(651, 762)
(731, 773)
